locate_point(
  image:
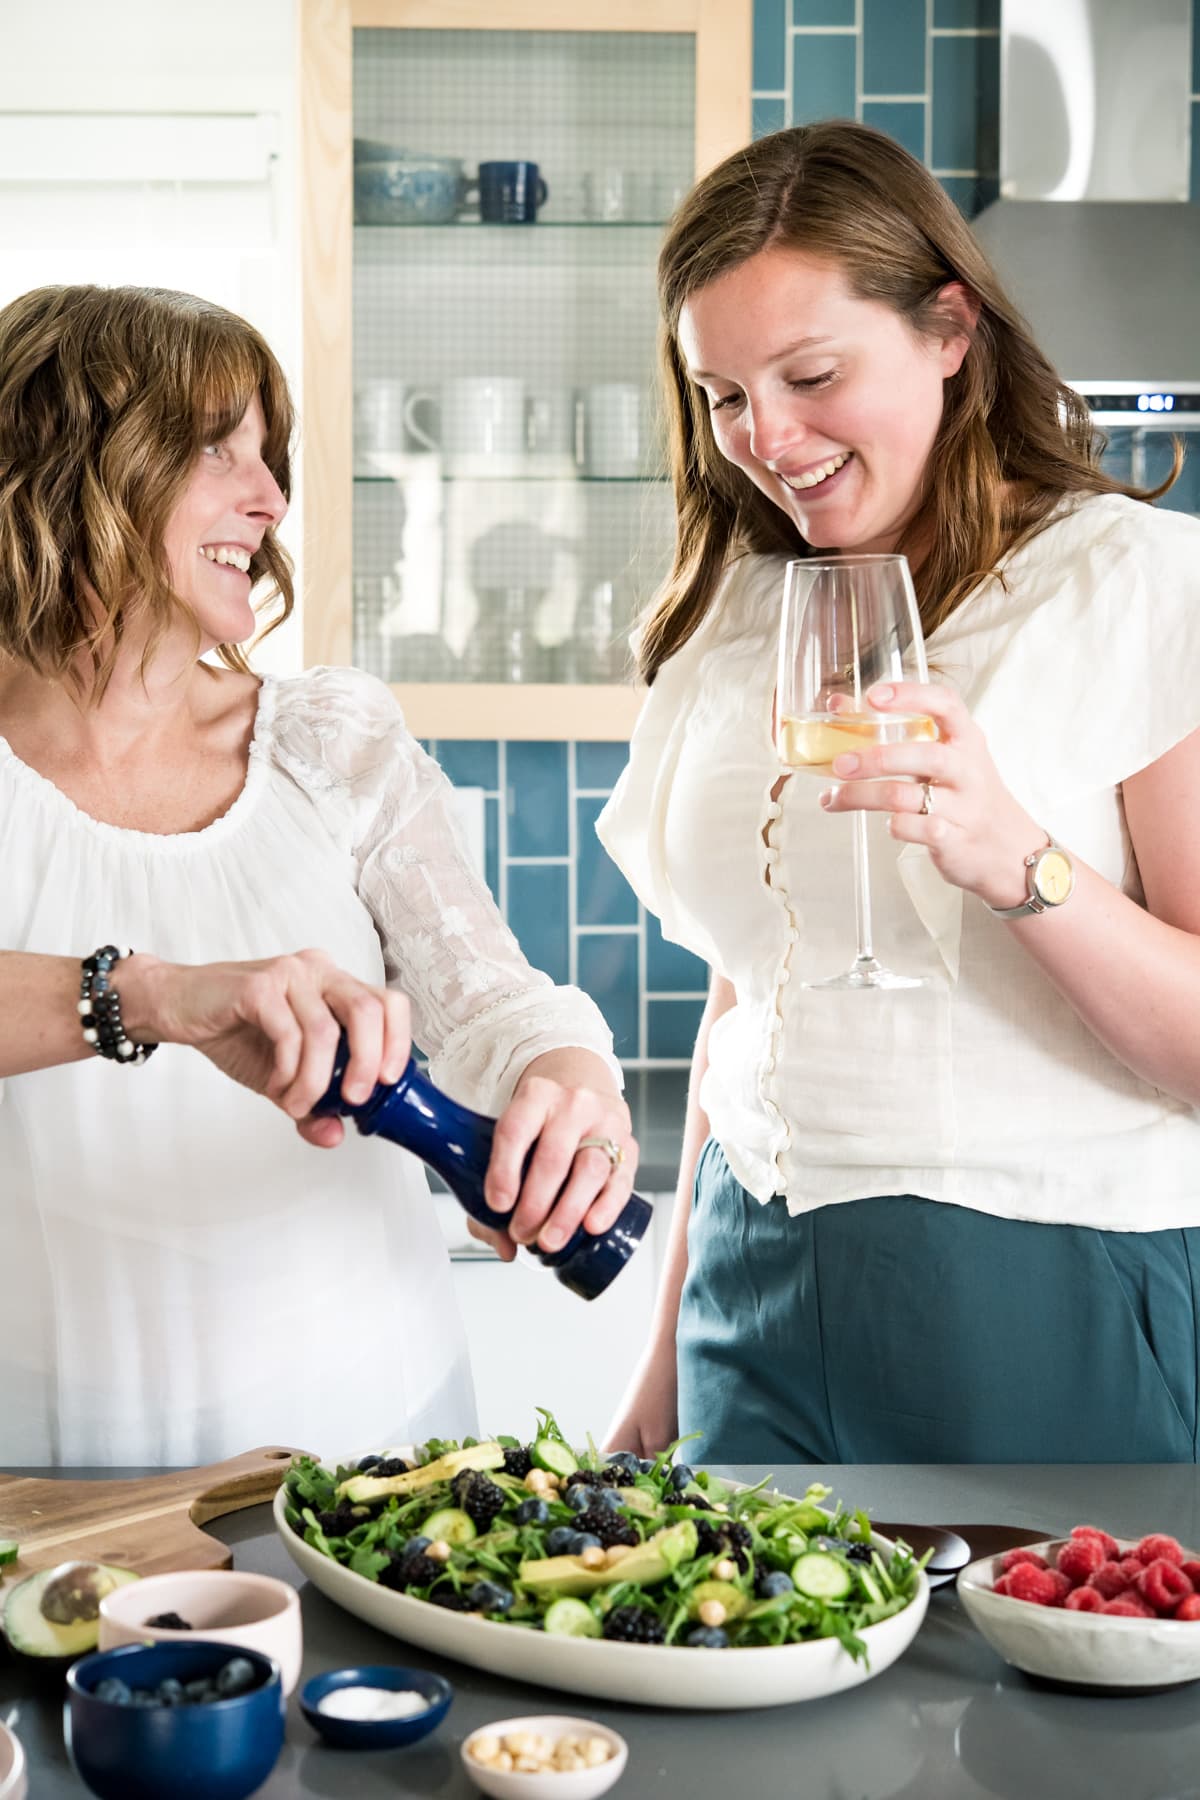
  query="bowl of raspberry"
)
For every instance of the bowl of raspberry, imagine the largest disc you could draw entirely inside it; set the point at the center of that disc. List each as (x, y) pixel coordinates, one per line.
(1092, 1610)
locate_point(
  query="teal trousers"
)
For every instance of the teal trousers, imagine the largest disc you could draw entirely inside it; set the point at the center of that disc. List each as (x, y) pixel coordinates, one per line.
(902, 1330)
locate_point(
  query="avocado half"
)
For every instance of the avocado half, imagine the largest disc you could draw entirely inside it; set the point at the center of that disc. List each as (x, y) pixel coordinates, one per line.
(54, 1615)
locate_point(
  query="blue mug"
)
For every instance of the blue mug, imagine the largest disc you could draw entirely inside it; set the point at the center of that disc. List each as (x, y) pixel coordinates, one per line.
(510, 193)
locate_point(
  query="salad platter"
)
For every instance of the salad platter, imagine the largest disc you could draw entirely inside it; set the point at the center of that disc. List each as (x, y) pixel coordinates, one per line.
(617, 1577)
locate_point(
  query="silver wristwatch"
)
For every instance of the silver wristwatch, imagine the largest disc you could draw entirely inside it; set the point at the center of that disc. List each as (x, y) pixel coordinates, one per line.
(1050, 875)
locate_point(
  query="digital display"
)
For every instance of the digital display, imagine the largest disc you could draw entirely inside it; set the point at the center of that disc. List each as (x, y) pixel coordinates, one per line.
(1156, 403)
(1149, 403)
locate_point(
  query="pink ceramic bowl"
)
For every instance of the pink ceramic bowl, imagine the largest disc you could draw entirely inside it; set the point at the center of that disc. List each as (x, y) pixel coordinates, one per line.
(221, 1605)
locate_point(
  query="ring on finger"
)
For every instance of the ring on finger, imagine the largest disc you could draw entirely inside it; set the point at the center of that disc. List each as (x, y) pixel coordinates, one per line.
(610, 1147)
(926, 797)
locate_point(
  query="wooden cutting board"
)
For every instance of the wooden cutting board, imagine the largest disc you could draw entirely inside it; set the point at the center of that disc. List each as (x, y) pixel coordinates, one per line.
(150, 1523)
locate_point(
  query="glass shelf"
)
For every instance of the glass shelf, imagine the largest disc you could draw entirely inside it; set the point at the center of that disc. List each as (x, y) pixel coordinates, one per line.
(571, 480)
(539, 225)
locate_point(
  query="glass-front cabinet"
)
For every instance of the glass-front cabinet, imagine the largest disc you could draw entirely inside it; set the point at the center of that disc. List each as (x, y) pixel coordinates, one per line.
(485, 193)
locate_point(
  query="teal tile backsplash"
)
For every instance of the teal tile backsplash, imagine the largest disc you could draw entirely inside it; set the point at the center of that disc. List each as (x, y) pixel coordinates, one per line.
(923, 70)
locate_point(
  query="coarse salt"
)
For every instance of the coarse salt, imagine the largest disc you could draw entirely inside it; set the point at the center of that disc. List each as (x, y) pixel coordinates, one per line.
(371, 1704)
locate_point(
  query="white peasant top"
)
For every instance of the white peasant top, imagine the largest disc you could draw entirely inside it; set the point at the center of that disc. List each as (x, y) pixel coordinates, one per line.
(984, 1088)
(184, 1277)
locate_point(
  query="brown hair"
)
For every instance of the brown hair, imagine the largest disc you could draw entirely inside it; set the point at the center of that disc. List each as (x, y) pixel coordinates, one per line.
(107, 397)
(1013, 438)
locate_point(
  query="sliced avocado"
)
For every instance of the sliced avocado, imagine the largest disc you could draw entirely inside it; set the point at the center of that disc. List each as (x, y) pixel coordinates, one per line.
(730, 1597)
(646, 1563)
(639, 1500)
(56, 1613)
(360, 1488)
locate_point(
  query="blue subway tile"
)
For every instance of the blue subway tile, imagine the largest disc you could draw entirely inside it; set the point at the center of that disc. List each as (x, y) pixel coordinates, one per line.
(966, 15)
(903, 120)
(600, 765)
(971, 193)
(537, 799)
(603, 896)
(822, 12)
(767, 114)
(770, 44)
(1118, 457)
(893, 46)
(470, 763)
(491, 846)
(1185, 495)
(671, 1027)
(608, 972)
(669, 968)
(966, 103)
(822, 78)
(1195, 184)
(537, 912)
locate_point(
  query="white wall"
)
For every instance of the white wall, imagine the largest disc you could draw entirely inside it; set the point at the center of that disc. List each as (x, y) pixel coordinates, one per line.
(237, 244)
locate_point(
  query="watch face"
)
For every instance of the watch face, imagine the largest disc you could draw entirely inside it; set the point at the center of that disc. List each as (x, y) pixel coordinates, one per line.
(1053, 878)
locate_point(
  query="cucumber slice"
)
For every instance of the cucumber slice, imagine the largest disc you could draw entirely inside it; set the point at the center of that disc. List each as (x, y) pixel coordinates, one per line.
(870, 1586)
(548, 1453)
(821, 1576)
(451, 1525)
(571, 1618)
(9, 1550)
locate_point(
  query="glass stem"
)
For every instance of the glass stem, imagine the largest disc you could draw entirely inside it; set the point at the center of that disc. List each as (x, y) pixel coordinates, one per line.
(862, 889)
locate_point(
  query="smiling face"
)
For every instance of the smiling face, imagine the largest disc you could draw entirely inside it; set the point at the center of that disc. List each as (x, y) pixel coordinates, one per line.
(229, 503)
(829, 403)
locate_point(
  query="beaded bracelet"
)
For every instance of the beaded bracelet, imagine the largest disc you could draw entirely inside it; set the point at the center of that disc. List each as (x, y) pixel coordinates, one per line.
(100, 1009)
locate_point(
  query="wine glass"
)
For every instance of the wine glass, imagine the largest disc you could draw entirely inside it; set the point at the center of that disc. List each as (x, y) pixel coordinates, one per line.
(848, 622)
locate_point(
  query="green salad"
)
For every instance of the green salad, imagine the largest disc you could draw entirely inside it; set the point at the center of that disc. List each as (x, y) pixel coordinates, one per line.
(544, 1538)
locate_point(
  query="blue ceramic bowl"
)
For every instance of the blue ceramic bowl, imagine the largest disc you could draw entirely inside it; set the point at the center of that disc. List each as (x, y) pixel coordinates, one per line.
(376, 1734)
(221, 1750)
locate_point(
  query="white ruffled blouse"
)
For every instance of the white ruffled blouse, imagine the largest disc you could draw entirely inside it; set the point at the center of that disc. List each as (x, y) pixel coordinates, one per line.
(185, 1278)
(1082, 666)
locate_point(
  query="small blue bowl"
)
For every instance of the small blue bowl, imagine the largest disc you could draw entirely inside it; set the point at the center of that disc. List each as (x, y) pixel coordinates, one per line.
(376, 1734)
(221, 1750)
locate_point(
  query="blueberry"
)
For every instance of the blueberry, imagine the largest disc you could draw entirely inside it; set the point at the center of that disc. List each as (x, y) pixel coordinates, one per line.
(558, 1541)
(197, 1692)
(680, 1476)
(708, 1637)
(532, 1512)
(368, 1462)
(415, 1545)
(237, 1676)
(646, 1465)
(769, 1587)
(488, 1596)
(611, 1497)
(113, 1689)
(625, 1459)
(578, 1498)
(169, 1692)
(581, 1541)
(143, 1697)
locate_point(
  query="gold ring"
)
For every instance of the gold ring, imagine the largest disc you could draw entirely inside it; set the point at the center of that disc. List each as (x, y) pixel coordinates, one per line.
(926, 797)
(610, 1147)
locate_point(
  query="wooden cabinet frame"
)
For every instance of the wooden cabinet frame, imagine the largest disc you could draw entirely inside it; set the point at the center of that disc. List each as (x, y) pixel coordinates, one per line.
(722, 30)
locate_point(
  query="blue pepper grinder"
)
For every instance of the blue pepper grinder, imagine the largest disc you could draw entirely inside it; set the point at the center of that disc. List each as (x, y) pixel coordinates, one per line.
(457, 1144)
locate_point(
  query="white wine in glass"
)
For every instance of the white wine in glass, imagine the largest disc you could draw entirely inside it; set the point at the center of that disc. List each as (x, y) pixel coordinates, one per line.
(848, 623)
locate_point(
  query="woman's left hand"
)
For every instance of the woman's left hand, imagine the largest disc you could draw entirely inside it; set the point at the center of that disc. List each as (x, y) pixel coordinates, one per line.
(565, 1186)
(976, 832)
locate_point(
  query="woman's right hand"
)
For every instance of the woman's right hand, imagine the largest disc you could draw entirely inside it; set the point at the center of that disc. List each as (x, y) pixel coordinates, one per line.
(647, 1419)
(273, 1026)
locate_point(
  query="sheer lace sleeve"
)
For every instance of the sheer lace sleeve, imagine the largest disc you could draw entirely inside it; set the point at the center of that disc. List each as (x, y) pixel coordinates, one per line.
(480, 1011)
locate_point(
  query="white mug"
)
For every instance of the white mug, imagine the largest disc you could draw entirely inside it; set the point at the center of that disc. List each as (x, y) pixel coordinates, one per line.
(613, 430)
(482, 422)
(379, 428)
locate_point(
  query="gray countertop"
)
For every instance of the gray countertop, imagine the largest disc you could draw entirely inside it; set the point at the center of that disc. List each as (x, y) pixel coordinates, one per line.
(949, 1721)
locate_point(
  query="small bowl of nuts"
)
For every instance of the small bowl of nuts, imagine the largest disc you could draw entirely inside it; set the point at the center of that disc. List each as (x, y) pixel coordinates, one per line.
(547, 1756)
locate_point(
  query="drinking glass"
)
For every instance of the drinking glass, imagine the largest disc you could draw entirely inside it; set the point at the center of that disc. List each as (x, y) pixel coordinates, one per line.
(848, 622)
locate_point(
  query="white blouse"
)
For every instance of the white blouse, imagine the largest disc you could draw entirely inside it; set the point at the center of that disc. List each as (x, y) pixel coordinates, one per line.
(1081, 663)
(185, 1278)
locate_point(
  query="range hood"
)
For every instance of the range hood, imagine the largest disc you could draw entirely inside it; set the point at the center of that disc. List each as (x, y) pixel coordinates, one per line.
(1093, 234)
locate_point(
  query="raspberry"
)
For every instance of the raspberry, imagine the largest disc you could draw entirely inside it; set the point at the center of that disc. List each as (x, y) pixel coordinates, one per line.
(1192, 1571)
(1085, 1599)
(1164, 1585)
(1079, 1558)
(1038, 1585)
(1189, 1608)
(1111, 1547)
(1159, 1548)
(1110, 1579)
(1000, 1586)
(1133, 1566)
(1128, 1606)
(1011, 1558)
(1063, 1584)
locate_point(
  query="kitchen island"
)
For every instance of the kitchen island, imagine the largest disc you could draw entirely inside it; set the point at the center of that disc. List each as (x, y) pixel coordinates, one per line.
(949, 1721)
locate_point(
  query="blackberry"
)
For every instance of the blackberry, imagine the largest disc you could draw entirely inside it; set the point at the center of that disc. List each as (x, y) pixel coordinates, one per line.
(616, 1475)
(517, 1463)
(479, 1498)
(723, 1539)
(633, 1625)
(602, 1522)
(586, 1478)
(859, 1553)
(391, 1465)
(410, 1571)
(342, 1519)
(708, 1541)
(451, 1601)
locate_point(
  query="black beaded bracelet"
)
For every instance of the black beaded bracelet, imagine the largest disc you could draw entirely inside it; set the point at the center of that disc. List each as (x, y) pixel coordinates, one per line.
(100, 1009)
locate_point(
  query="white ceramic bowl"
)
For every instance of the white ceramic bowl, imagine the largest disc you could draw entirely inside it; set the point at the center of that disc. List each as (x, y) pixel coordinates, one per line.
(227, 1606)
(557, 1784)
(13, 1782)
(647, 1674)
(1090, 1649)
